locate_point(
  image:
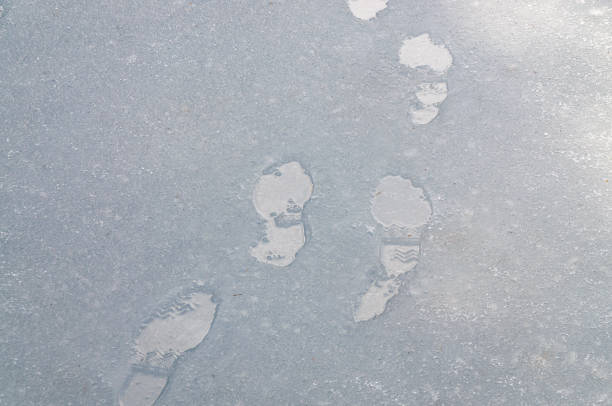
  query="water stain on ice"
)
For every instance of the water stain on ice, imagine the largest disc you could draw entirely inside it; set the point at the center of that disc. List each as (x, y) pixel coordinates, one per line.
(279, 198)
(174, 330)
(422, 51)
(366, 9)
(402, 212)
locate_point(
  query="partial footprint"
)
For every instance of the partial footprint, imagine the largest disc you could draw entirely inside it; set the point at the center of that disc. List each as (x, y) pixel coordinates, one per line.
(366, 9)
(279, 198)
(421, 52)
(402, 212)
(175, 329)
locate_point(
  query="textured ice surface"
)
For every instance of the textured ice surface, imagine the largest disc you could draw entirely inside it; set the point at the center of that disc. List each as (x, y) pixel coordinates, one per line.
(422, 51)
(133, 135)
(279, 198)
(169, 334)
(366, 9)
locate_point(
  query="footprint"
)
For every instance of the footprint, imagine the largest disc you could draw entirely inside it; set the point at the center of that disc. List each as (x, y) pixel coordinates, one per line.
(174, 330)
(422, 53)
(366, 9)
(402, 212)
(279, 198)
(416, 52)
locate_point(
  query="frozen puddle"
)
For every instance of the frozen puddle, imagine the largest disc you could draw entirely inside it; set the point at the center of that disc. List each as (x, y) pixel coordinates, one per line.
(279, 198)
(172, 331)
(366, 9)
(422, 52)
(402, 212)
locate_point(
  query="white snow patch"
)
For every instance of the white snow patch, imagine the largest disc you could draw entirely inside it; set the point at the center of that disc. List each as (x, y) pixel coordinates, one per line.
(374, 301)
(397, 202)
(366, 9)
(421, 51)
(597, 12)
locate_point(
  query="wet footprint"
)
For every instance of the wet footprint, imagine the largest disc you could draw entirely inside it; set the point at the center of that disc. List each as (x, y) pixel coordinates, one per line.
(433, 60)
(279, 198)
(175, 329)
(402, 212)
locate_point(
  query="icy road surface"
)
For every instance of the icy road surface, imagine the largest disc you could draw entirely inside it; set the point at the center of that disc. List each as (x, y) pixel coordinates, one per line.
(358, 202)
